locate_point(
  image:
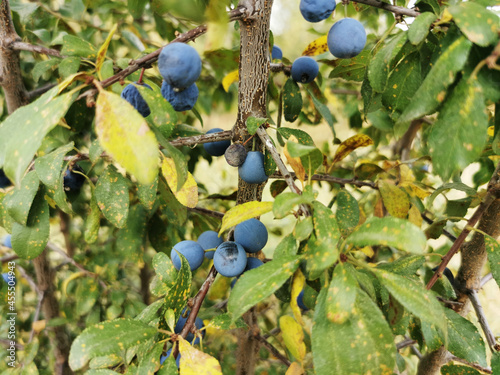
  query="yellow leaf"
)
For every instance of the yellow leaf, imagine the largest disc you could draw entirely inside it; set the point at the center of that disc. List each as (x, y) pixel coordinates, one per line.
(229, 79)
(69, 279)
(317, 47)
(187, 195)
(244, 212)
(295, 369)
(446, 18)
(415, 190)
(39, 325)
(295, 163)
(195, 362)
(395, 199)
(297, 286)
(414, 216)
(351, 144)
(101, 55)
(293, 336)
(368, 251)
(491, 131)
(406, 175)
(124, 134)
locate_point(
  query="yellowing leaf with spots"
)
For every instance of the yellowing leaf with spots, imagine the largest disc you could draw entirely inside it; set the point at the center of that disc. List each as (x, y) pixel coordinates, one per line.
(414, 297)
(110, 337)
(414, 216)
(259, 283)
(101, 55)
(479, 24)
(293, 336)
(229, 79)
(188, 194)
(351, 144)
(341, 294)
(395, 199)
(244, 212)
(195, 362)
(297, 287)
(294, 162)
(111, 193)
(316, 47)
(389, 231)
(363, 344)
(295, 369)
(124, 134)
(463, 115)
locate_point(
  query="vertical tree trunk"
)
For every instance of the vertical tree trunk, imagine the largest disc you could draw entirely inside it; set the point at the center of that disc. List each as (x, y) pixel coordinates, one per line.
(252, 101)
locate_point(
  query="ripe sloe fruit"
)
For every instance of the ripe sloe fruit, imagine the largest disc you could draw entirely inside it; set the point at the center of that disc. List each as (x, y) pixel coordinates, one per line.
(191, 250)
(216, 148)
(73, 181)
(179, 65)
(235, 154)
(190, 336)
(300, 301)
(304, 69)
(230, 259)
(276, 53)
(316, 10)
(252, 170)
(4, 181)
(180, 100)
(346, 38)
(209, 240)
(132, 95)
(251, 234)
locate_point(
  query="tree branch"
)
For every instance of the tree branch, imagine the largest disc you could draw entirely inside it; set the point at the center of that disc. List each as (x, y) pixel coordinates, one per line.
(273, 350)
(478, 308)
(22, 46)
(391, 8)
(204, 211)
(202, 138)
(486, 370)
(328, 178)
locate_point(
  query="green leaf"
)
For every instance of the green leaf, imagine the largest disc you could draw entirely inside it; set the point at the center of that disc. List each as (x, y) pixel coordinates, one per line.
(225, 322)
(352, 69)
(68, 67)
(130, 240)
(459, 370)
(407, 265)
(471, 192)
(389, 231)
(244, 212)
(48, 167)
(378, 69)
(341, 294)
(175, 212)
(361, 345)
(463, 115)
(44, 66)
(285, 202)
(75, 46)
(303, 137)
(47, 110)
(321, 250)
(93, 221)
(178, 295)
(347, 213)
(414, 297)
(298, 150)
(150, 361)
(432, 91)
(395, 199)
(29, 241)
(86, 295)
(403, 82)
(111, 337)
(292, 100)
(136, 7)
(287, 247)
(165, 274)
(18, 201)
(253, 123)
(420, 27)
(111, 193)
(163, 115)
(257, 284)
(125, 135)
(464, 340)
(493, 251)
(477, 23)
(324, 111)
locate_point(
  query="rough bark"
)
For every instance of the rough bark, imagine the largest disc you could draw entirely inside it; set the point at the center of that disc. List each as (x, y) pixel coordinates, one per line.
(253, 78)
(10, 70)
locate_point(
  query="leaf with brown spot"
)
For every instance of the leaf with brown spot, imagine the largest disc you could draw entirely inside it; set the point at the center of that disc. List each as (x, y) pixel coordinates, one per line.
(111, 194)
(316, 47)
(351, 144)
(395, 199)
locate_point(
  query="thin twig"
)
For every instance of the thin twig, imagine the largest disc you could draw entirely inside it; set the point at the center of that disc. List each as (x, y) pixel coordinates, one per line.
(486, 370)
(204, 211)
(29, 279)
(272, 332)
(202, 138)
(53, 247)
(40, 90)
(405, 343)
(445, 232)
(9, 258)
(264, 137)
(22, 46)
(478, 308)
(328, 178)
(41, 295)
(273, 350)
(485, 279)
